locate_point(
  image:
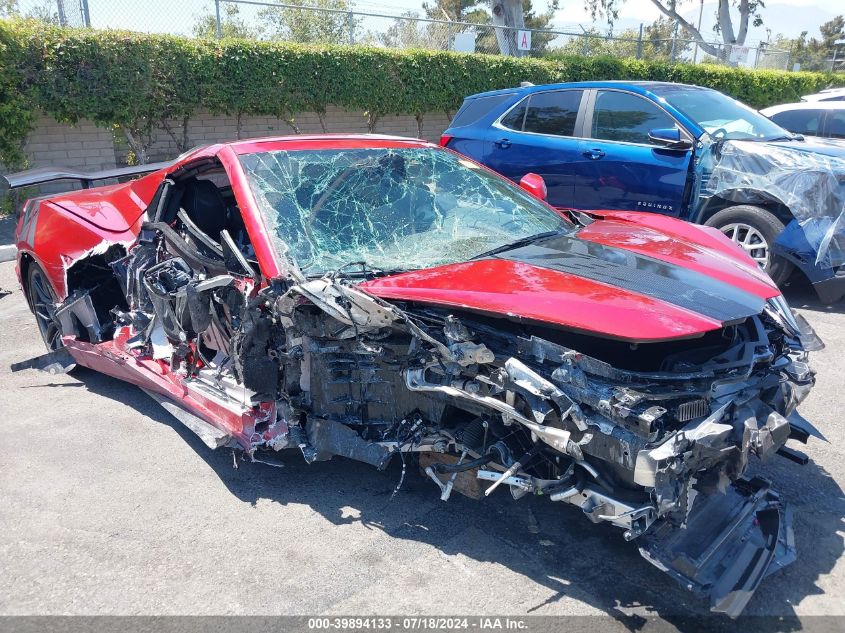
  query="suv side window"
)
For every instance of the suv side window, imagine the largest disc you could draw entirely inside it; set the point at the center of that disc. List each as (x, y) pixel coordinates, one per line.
(473, 109)
(619, 116)
(799, 121)
(553, 112)
(513, 120)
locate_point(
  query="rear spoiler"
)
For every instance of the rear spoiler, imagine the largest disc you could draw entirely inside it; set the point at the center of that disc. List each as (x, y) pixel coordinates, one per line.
(41, 175)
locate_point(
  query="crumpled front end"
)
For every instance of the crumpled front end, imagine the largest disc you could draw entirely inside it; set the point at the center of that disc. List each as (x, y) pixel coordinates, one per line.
(728, 544)
(651, 437)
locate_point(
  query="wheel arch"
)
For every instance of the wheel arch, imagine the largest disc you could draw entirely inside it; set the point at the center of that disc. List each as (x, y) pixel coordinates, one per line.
(26, 260)
(735, 197)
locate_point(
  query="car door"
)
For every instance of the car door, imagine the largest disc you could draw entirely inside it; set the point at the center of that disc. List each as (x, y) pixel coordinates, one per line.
(617, 166)
(539, 135)
(835, 124)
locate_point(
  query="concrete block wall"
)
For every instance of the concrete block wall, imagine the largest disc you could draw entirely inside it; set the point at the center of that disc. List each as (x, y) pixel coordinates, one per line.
(83, 145)
(88, 147)
(206, 128)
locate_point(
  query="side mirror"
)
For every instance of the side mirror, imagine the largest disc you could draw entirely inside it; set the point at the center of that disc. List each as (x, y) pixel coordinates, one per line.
(535, 185)
(668, 137)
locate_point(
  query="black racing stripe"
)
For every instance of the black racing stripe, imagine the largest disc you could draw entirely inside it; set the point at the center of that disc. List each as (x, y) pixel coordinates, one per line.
(644, 275)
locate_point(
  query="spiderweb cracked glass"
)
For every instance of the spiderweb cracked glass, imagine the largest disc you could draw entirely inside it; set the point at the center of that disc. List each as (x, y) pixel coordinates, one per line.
(393, 209)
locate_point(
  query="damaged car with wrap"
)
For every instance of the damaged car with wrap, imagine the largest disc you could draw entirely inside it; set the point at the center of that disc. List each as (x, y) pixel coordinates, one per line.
(381, 299)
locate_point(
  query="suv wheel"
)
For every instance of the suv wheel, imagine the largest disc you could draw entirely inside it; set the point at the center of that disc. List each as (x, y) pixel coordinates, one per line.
(755, 231)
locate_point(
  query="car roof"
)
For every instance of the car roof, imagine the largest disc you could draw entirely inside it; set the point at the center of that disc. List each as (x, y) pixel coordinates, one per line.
(325, 141)
(823, 95)
(651, 90)
(641, 87)
(297, 142)
(804, 105)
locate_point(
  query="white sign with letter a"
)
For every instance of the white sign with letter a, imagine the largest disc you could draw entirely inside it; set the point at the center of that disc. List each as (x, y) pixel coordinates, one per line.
(523, 40)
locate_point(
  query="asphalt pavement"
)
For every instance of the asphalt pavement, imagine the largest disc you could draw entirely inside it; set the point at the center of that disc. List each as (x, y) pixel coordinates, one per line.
(109, 506)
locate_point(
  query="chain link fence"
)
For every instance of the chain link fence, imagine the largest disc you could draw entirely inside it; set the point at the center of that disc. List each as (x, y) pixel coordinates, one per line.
(339, 22)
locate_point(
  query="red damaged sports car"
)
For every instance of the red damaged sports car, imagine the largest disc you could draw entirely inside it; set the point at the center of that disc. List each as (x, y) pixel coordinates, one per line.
(375, 297)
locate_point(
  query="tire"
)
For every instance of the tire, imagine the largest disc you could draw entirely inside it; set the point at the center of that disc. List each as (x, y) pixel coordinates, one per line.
(755, 231)
(40, 294)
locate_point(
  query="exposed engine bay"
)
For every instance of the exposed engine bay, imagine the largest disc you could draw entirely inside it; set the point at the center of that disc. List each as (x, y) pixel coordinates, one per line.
(653, 438)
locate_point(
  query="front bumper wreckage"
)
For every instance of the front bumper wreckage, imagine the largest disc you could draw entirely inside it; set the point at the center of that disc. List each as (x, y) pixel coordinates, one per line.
(654, 441)
(728, 545)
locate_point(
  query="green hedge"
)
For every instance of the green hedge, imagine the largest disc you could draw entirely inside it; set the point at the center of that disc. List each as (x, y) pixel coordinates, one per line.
(136, 83)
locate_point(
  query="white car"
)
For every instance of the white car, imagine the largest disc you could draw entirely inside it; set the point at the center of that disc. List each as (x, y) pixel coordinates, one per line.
(830, 94)
(810, 118)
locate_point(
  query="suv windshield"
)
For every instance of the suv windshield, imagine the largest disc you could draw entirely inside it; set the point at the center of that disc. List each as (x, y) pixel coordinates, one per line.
(720, 116)
(391, 209)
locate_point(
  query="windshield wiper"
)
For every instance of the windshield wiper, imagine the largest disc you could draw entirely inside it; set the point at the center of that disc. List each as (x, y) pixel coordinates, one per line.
(791, 137)
(364, 271)
(523, 241)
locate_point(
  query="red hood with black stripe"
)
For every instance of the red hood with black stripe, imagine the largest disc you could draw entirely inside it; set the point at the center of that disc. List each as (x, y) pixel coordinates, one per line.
(632, 276)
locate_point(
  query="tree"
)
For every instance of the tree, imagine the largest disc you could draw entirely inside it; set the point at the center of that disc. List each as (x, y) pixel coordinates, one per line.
(8, 8)
(509, 14)
(303, 25)
(657, 43)
(662, 40)
(45, 11)
(309, 26)
(231, 24)
(406, 32)
(513, 14)
(813, 53)
(831, 31)
(749, 13)
(595, 44)
(454, 10)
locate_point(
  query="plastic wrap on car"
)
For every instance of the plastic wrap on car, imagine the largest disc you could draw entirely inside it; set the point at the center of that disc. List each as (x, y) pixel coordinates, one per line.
(810, 184)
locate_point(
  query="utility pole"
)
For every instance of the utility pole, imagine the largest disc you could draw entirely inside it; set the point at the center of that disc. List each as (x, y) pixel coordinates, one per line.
(217, 19)
(700, 13)
(674, 40)
(640, 43)
(60, 7)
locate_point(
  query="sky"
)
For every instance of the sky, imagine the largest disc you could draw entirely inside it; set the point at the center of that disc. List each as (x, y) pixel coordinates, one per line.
(788, 17)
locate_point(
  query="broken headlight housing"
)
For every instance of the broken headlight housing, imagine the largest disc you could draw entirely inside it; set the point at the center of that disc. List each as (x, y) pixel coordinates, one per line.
(784, 313)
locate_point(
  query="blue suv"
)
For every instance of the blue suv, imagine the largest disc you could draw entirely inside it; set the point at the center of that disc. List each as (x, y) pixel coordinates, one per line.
(685, 151)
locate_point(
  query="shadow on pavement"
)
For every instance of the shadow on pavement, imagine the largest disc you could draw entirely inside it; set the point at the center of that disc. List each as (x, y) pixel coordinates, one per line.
(549, 544)
(800, 294)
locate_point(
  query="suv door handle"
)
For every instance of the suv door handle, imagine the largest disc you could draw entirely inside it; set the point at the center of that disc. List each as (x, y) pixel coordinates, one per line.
(503, 143)
(593, 154)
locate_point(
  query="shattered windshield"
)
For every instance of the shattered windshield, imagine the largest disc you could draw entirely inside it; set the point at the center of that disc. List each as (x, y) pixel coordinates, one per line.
(720, 116)
(388, 209)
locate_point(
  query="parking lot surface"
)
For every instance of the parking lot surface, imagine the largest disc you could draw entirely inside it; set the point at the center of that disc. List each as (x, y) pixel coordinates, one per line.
(109, 506)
